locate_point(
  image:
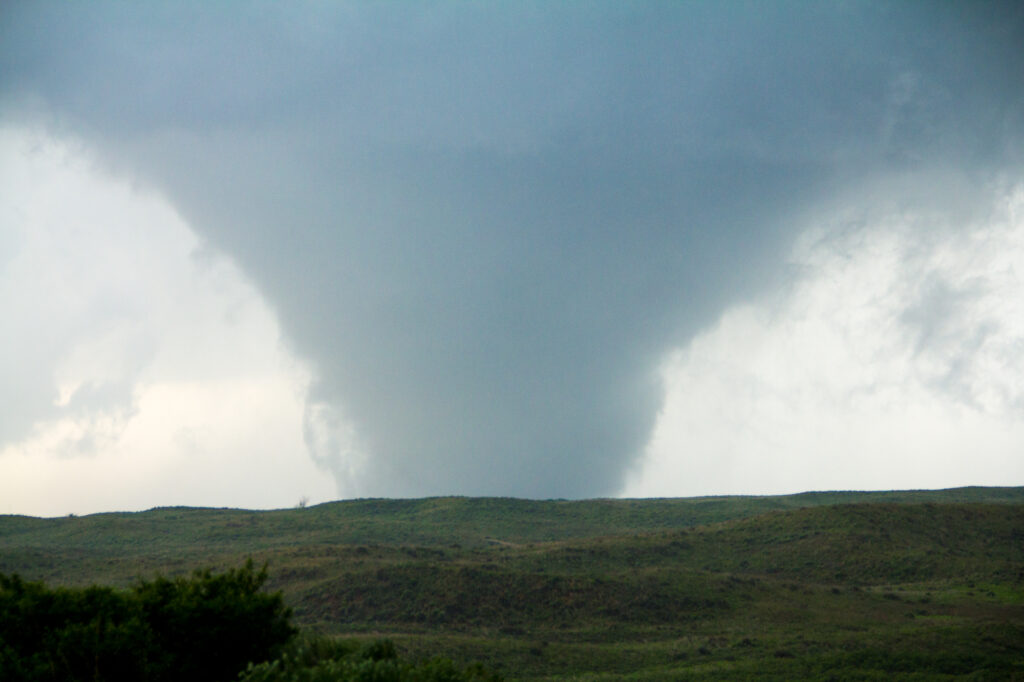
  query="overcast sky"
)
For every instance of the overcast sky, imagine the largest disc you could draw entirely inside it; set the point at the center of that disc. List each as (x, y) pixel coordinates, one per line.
(252, 253)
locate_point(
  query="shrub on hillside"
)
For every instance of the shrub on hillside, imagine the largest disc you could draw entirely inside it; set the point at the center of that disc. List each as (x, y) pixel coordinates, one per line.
(205, 628)
(323, 660)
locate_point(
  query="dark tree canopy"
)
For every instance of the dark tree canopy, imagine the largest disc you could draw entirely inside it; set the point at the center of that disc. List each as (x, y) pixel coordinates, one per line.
(204, 628)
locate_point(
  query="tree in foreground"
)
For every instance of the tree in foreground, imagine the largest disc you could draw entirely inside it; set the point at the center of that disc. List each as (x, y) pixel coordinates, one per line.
(204, 628)
(209, 627)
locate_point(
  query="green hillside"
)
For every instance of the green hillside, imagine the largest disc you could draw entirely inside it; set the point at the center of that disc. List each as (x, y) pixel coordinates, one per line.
(901, 585)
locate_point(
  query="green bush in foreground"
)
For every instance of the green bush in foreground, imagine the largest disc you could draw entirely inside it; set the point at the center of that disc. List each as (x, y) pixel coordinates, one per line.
(323, 660)
(205, 628)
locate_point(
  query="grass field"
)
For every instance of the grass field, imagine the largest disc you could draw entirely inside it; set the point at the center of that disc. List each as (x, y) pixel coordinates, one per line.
(848, 586)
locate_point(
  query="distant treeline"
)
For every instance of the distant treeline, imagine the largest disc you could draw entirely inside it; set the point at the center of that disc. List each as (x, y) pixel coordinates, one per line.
(205, 628)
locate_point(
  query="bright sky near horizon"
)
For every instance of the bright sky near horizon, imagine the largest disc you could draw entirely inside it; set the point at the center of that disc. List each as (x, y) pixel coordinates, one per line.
(256, 254)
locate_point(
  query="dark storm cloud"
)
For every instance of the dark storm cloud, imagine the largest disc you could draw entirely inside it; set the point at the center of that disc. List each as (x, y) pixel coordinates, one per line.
(484, 224)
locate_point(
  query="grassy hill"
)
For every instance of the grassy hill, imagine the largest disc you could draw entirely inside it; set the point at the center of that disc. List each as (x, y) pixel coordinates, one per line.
(911, 585)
